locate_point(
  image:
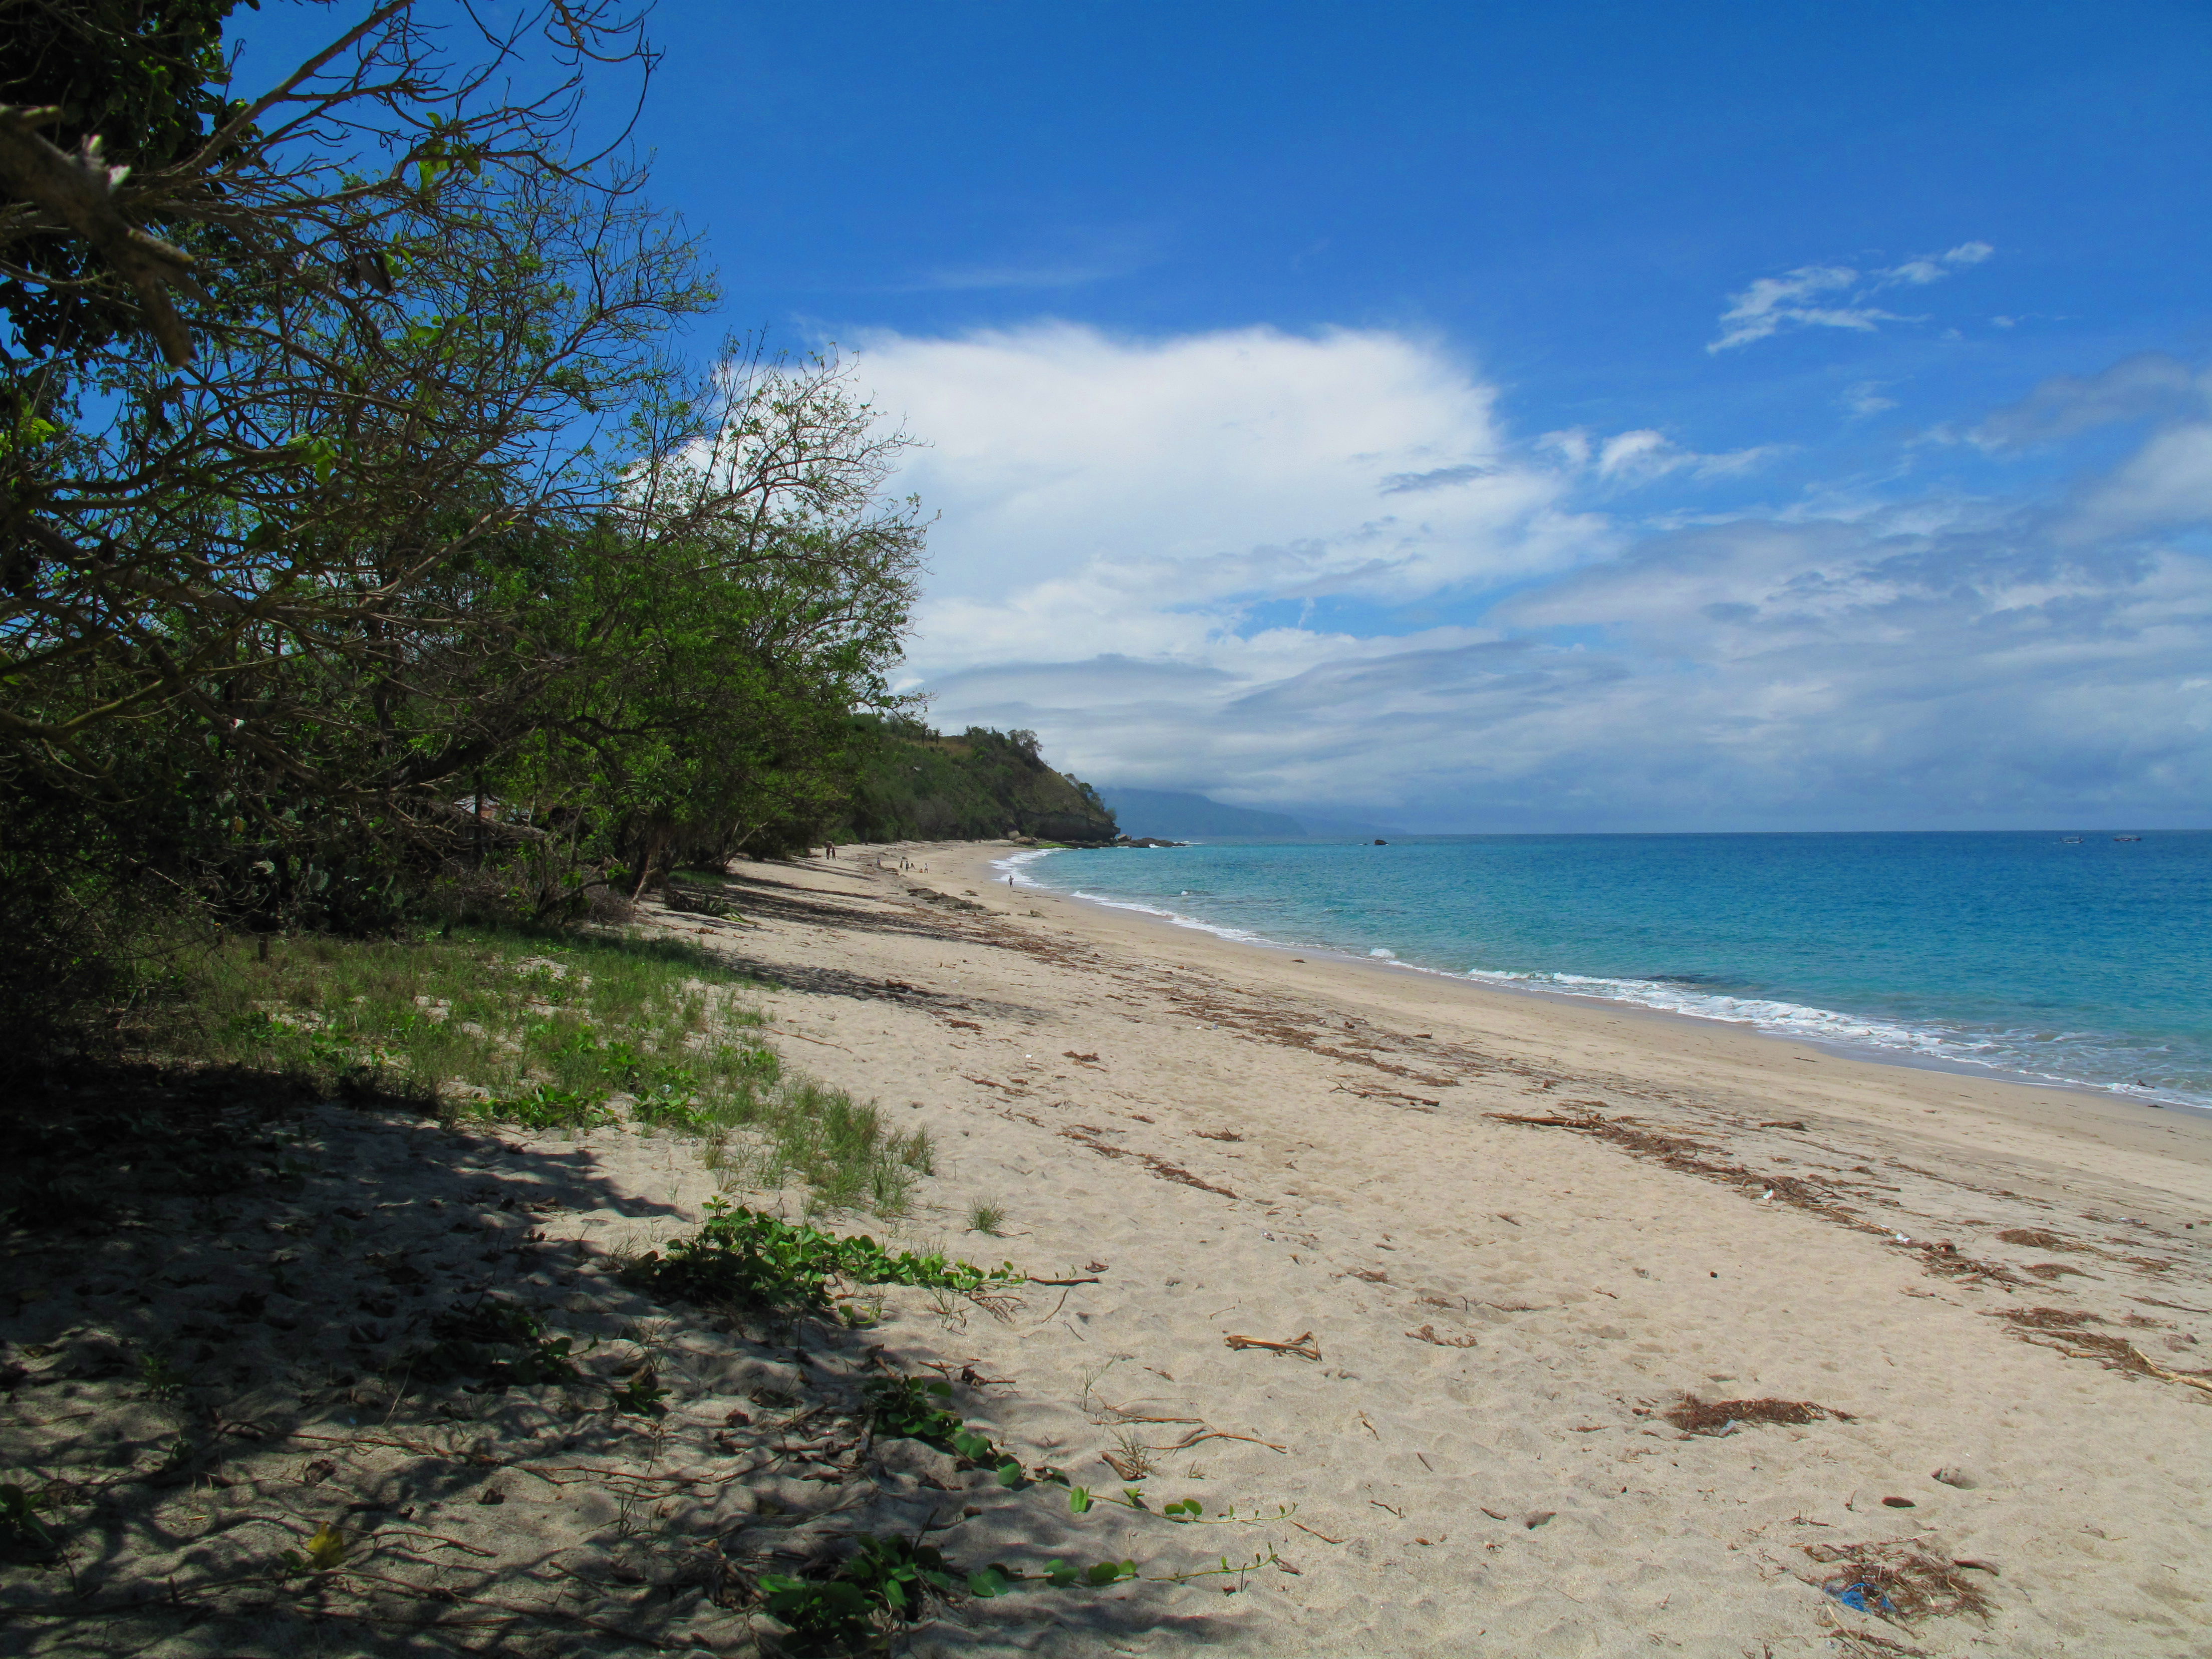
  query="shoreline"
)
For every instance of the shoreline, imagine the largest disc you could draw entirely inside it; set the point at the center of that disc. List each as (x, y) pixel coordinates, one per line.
(1513, 1232)
(1688, 1050)
(1869, 1053)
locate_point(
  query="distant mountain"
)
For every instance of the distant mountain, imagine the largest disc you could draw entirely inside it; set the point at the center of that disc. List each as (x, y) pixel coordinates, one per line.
(1176, 816)
(1341, 830)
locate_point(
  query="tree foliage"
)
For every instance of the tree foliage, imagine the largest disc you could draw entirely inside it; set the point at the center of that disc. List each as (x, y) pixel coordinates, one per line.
(141, 78)
(746, 591)
(915, 783)
(365, 538)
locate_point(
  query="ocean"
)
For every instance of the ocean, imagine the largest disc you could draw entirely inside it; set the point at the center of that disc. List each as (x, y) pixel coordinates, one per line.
(2038, 956)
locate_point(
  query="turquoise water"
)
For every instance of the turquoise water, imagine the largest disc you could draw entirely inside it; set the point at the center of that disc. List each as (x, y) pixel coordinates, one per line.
(2087, 963)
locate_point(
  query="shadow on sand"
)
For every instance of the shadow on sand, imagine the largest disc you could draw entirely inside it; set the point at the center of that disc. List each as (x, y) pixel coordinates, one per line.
(290, 1377)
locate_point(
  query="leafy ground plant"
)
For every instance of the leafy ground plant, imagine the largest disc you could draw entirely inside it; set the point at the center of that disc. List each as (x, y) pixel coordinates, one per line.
(912, 1408)
(889, 1582)
(499, 1346)
(20, 1525)
(549, 1106)
(755, 1260)
(507, 1013)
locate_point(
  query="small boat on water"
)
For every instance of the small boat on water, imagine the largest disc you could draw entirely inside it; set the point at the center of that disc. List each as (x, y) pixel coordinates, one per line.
(2070, 841)
(2127, 837)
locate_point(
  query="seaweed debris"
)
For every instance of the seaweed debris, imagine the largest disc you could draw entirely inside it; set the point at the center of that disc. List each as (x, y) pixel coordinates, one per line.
(1692, 1158)
(1941, 1256)
(2048, 1319)
(2037, 1238)
(2060, 1330)
(1902, 1580)
(1082, 1135)
(1715, 1417)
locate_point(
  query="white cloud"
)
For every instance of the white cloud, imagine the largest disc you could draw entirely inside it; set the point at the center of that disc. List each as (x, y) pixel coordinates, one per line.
(1641, 456)
(2146, 385)
(1063, 259)
(1934, 267)
(1865, 398)
(1796, 299)
(1772, 303)
(1091, 479)
(1321, 571)
(2164, 485)
(1040, 274)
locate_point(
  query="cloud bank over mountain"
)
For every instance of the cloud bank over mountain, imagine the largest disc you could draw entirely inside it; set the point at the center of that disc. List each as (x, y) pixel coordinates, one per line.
(1323, 571)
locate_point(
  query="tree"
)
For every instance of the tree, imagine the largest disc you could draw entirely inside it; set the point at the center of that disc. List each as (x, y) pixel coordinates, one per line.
(378, 493)
(749, 588)
(253, 578)
(385, 344)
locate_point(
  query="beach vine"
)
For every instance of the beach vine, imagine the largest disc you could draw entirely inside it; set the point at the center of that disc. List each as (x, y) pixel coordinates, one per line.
(752, 1259)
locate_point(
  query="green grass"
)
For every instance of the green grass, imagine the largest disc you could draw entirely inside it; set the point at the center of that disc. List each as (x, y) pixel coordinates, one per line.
(988, 1218)
(550, 1031)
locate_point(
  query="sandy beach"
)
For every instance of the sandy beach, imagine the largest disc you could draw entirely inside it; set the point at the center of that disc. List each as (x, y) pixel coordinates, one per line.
(1408, 1284)
(1516, 1231)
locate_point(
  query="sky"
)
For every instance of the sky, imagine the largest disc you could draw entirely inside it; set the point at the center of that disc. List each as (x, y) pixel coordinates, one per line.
(1488, 417)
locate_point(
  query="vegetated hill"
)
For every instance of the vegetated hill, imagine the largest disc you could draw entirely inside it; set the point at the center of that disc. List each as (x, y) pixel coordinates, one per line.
(1172, 812)
(920, 785)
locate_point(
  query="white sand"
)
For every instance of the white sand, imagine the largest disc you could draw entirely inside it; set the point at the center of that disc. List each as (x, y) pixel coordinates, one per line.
(1232, 1142)
(1593, 1287)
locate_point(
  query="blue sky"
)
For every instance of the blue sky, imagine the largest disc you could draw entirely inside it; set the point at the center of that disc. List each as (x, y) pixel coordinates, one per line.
(1492, 417)
(1562, 194)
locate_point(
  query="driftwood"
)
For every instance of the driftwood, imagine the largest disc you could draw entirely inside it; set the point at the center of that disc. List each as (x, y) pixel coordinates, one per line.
(1302, 1345)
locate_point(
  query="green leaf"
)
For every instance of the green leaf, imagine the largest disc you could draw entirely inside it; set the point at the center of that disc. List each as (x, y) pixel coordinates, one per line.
(990, 1581)
(318, 452)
